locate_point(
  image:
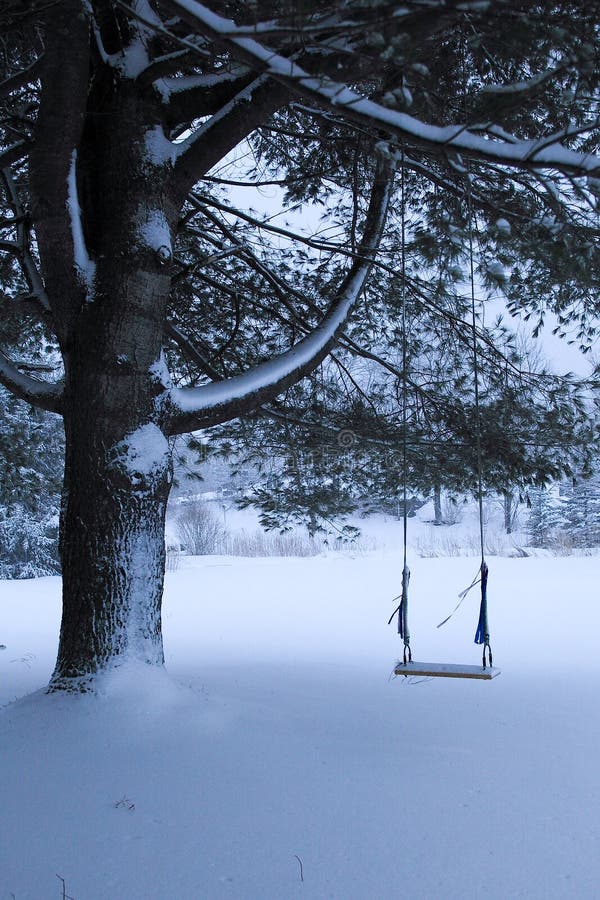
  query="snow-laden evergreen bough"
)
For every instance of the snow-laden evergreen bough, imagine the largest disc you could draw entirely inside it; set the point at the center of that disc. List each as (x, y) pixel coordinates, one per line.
(117, 117)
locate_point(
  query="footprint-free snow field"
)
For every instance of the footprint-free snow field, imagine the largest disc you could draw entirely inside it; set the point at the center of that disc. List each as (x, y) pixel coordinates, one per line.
(276, 757)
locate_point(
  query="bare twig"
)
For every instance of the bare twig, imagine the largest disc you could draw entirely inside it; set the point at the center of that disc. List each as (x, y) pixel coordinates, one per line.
(63, 895)
(301, 866)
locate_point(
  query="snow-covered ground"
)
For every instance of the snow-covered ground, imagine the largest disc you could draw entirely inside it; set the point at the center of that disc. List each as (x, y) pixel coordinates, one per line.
(278, 759)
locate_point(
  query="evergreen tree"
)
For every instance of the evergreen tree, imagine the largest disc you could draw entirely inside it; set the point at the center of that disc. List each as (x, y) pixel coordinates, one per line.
(31, 445)
(582, 512)
(30, 481)
(546, 517)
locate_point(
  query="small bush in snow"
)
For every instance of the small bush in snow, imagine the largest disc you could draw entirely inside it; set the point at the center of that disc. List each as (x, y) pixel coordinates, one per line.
(173, 559)
(261, 543)
(200, 533)
(452, 511)
(438, 544)
(199, 530)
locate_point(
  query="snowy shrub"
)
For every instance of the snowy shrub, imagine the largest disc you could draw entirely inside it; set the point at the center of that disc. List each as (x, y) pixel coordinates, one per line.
(452, 511)
(28, 543)
(200, 533)
(292, 543)
(261, 543)
(434, 546)
(467, 543)
(560, 543)
(173, 558)
(198, 529)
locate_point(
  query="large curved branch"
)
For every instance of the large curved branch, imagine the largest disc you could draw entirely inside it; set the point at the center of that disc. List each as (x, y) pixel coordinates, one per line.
(191, 97)
(547, 153)
(202, 407)
(213, 140)
(43, 394)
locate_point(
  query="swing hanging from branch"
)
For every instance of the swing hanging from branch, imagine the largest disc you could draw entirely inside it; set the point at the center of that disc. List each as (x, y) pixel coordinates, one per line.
(408, 667)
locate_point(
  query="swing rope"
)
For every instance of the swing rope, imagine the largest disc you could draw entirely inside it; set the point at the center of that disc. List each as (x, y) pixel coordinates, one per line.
(402, 609)
(403, 630)
(482, 634)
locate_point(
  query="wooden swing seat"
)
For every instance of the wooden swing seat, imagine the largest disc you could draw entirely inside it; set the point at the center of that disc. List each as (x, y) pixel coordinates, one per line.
(445, 670)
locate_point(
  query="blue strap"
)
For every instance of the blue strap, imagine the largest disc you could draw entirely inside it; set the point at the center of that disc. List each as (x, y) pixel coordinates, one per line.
(482, 635)
(403, 608)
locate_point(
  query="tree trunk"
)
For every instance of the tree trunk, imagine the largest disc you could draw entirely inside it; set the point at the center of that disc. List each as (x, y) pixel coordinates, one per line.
(437, 505)
(508, 512)
(113, 552)
(117, 481)
(118, 459)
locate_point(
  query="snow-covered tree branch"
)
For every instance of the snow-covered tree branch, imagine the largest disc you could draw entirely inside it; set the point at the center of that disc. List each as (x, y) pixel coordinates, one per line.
(546, 152)
(227, 128)
(221, 401)
(43, 394)
(194, 96)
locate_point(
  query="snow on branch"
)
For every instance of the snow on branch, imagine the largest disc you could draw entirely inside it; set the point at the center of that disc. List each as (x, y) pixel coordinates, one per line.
(210, 404)
(510, 151)
(189, 97)
(524, 87)
(135, 58)
(44, 394)
(170, 86)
